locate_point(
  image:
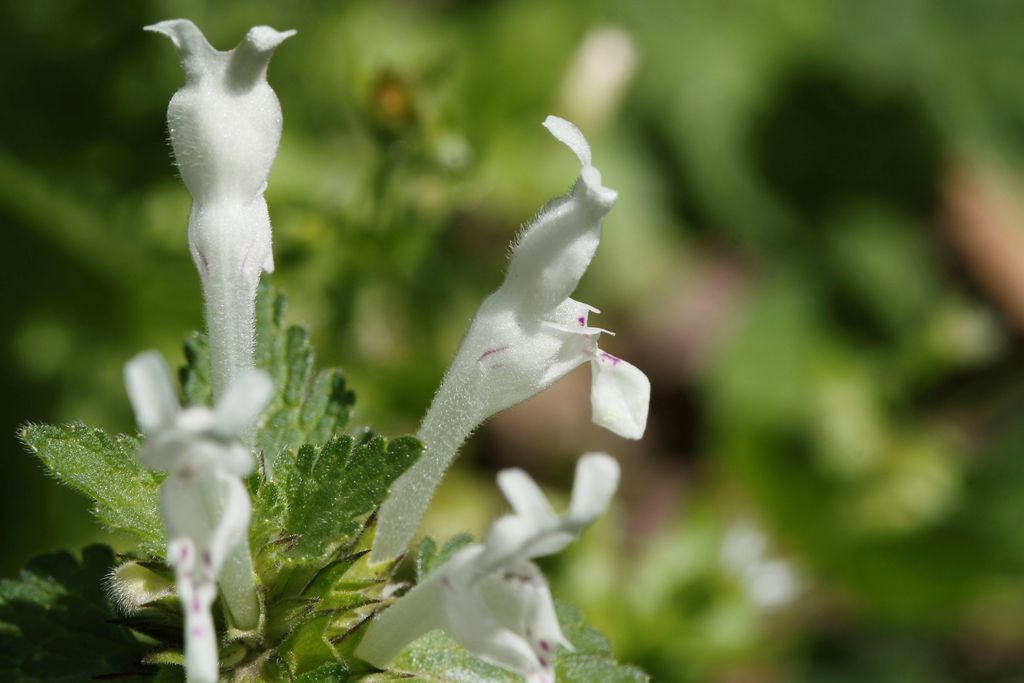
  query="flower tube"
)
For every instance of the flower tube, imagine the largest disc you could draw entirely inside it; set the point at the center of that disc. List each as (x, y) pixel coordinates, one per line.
(524, 337)
(225, 126)
(203, 502)
(490, 597)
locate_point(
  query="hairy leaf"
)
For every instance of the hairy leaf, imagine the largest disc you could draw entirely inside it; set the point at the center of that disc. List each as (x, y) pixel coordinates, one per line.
(56, 623)
(308, 406)
(105, 468)
(330, 491)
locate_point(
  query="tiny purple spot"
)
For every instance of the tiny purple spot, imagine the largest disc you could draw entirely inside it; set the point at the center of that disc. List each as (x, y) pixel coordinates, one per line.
(245, 259)
(543, 662)
(545, 645)
(206, 557)
(582, 320)
(490, 352)
(197, 632)
(615, 360)
(195, 603)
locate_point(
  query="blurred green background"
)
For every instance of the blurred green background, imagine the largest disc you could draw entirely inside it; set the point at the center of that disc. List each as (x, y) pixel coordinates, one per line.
(817, 257)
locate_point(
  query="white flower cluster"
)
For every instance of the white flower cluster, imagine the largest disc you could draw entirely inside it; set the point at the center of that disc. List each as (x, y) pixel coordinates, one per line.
(490, 597)
(225, 127)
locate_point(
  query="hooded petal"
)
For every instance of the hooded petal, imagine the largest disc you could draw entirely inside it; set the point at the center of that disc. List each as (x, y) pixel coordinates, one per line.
(552, 252)
(525, 336)
(151, 391)
(619, 395)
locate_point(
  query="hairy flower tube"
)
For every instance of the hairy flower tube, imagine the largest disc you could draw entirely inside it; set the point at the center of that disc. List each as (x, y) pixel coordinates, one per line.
(525, 336)
(204, 504)
(225, 126)
(490, 597)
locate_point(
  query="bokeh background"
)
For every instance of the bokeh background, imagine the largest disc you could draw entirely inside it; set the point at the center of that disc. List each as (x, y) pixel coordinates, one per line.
(817, 257)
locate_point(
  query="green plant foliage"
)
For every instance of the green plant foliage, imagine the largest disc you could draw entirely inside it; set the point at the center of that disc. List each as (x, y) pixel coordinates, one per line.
(56, 624)
(308, 407)
(348, 479)
(125, 494)
(311, 531)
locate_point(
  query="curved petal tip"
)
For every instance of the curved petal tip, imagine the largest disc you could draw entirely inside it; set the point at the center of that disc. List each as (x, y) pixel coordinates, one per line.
(264, 38)
(568, 134)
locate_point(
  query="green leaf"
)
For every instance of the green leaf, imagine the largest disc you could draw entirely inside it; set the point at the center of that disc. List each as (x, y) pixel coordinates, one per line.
(436, 657)
(330, 491)
(105, 468)
(56, 623)
(329, 673)
(195, 374)
(592, 659)
(307, 407)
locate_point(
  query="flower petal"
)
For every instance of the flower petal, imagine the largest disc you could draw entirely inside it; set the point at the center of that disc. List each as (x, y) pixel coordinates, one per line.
(233, 526)
(151, 391)
(525, 497)
(197, 596)
(619, 395)
(417, 612)
(520, 599)
(553, 250)
(597, 477)
(198, 57)
(469, 620)
(513, 538)
(248, 65)
(242, 403)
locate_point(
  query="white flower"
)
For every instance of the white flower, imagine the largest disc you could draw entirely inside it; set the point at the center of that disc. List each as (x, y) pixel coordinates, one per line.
(225, 126)
(490, 597)
(204, 504)
(770, 583)
(525, 336)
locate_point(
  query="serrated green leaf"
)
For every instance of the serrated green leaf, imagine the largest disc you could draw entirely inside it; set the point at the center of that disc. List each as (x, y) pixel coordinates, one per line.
(592, 659)
(308, 406)
(105, 468)
(436, 657)
(329, 673)
(56, 623)
(330, 491)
